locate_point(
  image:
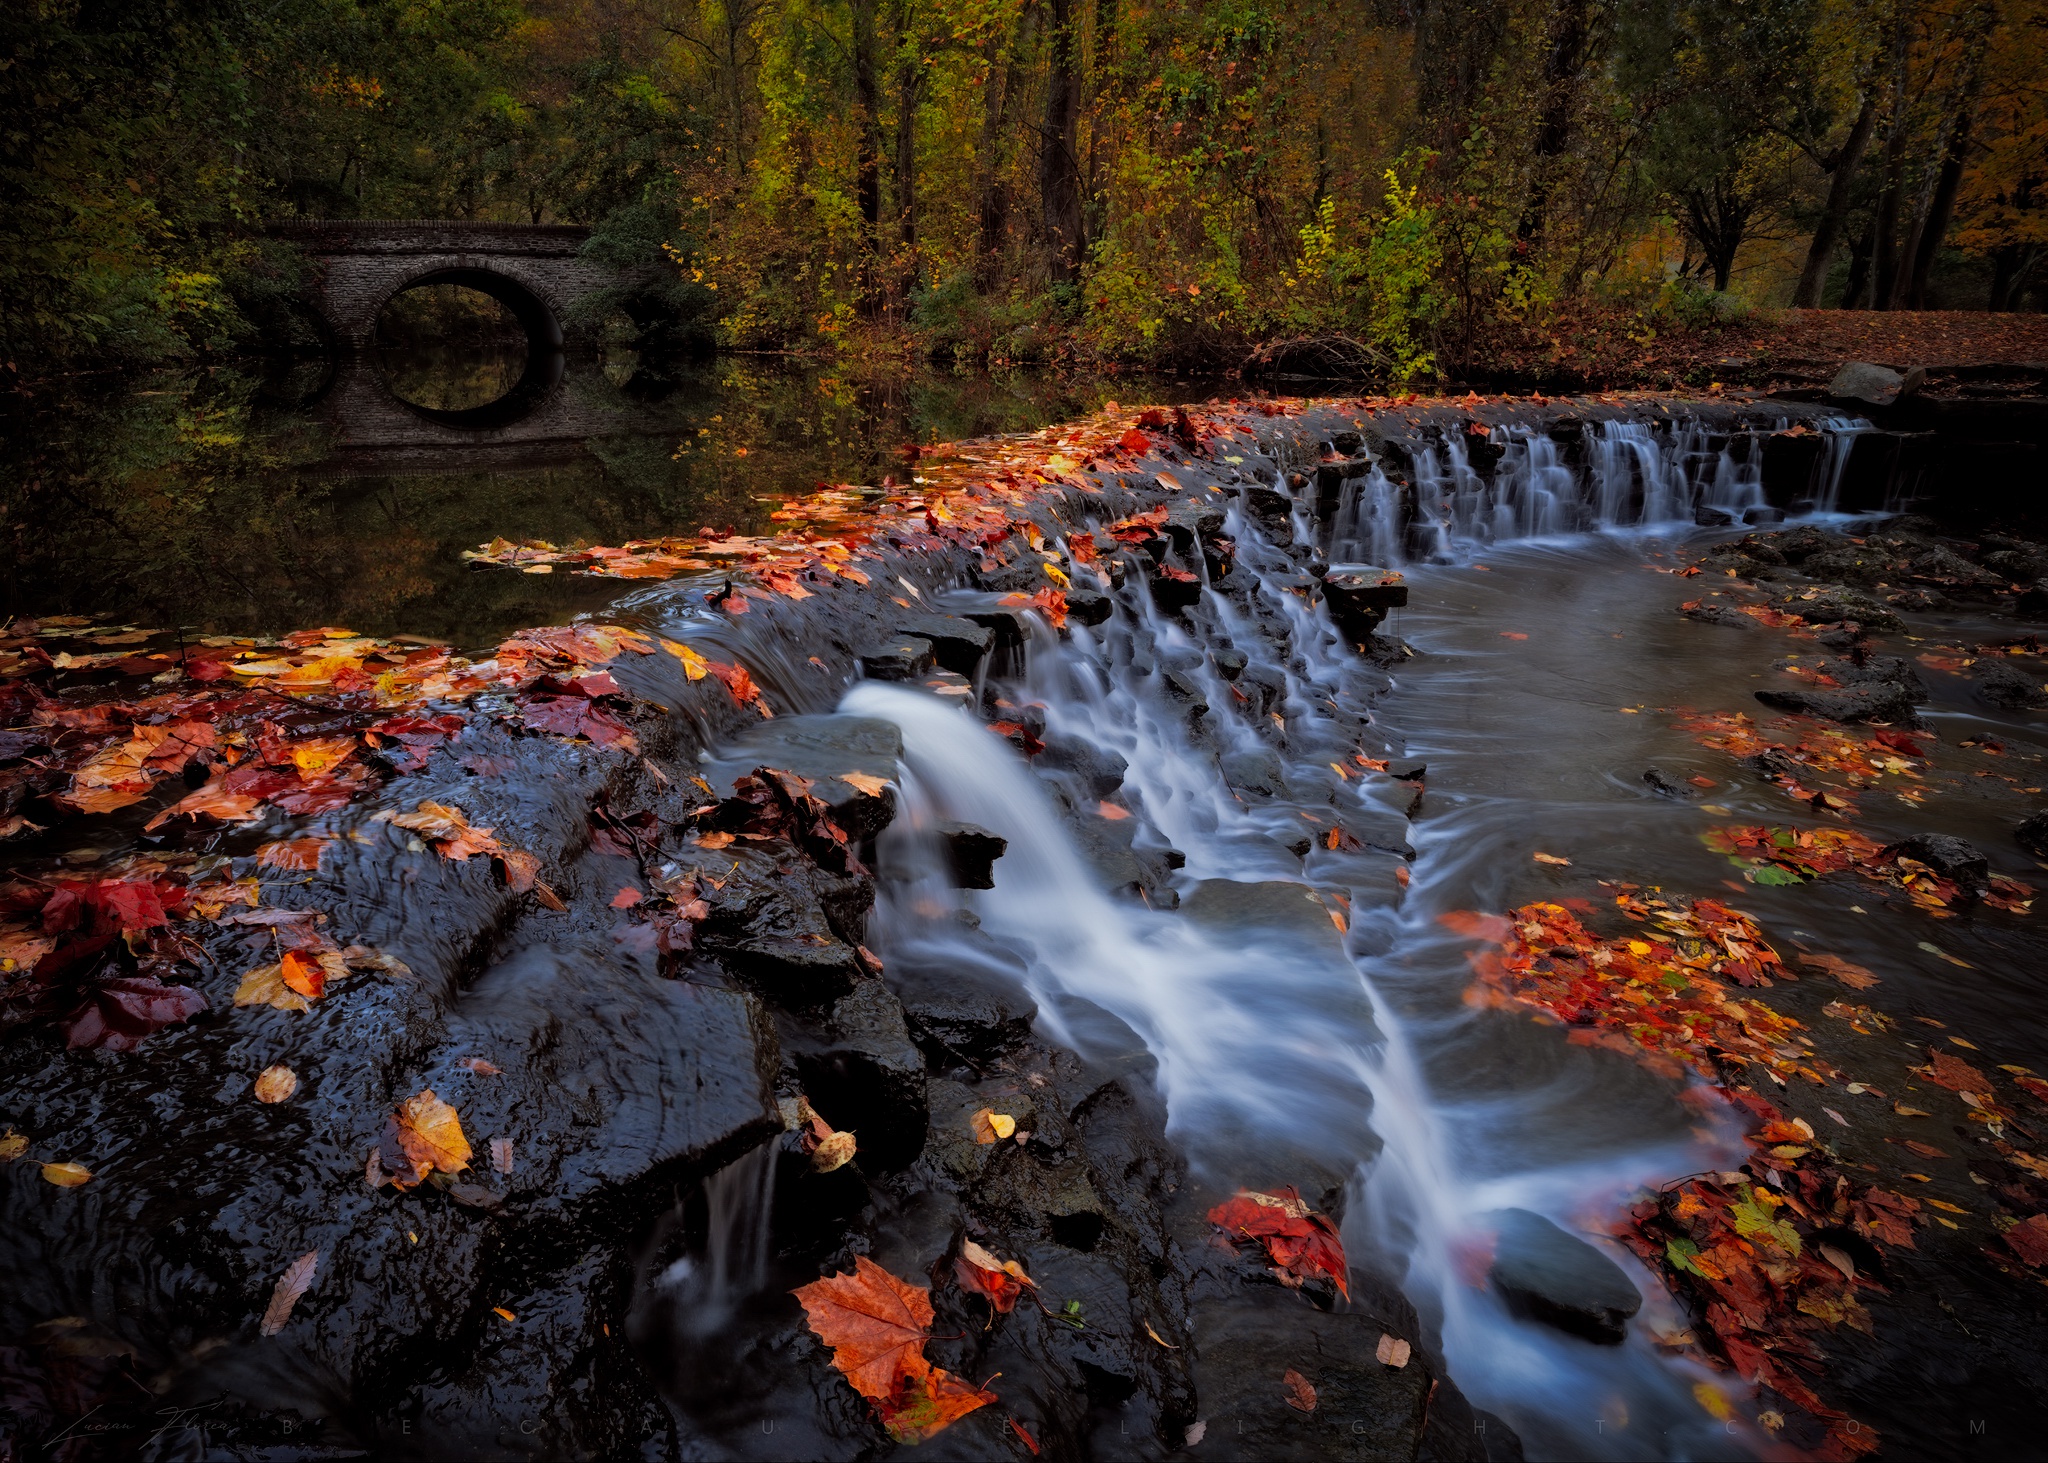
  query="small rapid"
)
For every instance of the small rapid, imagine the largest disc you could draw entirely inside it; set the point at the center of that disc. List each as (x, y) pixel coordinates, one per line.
(1303, 1003)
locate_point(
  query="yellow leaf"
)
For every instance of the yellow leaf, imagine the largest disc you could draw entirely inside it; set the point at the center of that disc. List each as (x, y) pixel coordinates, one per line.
(67, 1175)
(265, 986)
(505, 1313)
(834, 1151)
(1714, 1400)
(12, 1145)
(864, 782)
(1551, 858)
(693, 663)
(991, 1126)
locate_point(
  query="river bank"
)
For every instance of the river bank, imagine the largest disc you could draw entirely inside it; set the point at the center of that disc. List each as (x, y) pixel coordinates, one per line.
(1145, 606)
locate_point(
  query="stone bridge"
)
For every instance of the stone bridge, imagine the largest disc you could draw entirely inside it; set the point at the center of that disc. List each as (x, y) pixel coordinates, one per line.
(532, 269)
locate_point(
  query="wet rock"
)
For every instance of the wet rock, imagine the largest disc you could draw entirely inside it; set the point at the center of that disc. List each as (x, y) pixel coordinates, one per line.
(1186, 689)
(964, 998)
(1293, 912)
(2032, 603)
(1359, 601)
(902, 659)
(1762, 548)
(1712, 612)
(1800, 544)
(1558, 1278)
(821, 749)
(1191, 524)
(1763, 514)
(867, 1076)
(1271, 505)
(1364, 1410)
(1668, 787)
(957, 644)
(2033, 834)
(1257, 772)
(769, 925)
(1950, 857)
(1088, 606)
(1099, 771)
(1860, 381)
(1172, 592)
(1848, 566)
(1877, 700)
(2005, 685)
(972, 851)
(1831, 604)
(1707, 517)
(1229, 664)
(1407, 769)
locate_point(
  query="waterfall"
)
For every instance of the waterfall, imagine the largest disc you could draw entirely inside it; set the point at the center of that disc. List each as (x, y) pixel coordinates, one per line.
(709, 1285)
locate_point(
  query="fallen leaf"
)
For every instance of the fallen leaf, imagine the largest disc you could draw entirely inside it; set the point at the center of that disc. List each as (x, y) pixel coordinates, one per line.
(275, 1084)
(1512, 635)
(12, 1145)
(1840, 1259)
(864, 782)
(991, 1126)
(1029, 1441)
(714, 840)
(265, 986)
(303, 973)
(1298, 1241)
(1392, 1351)
(1158, 1338)
(2029, 1240)
(500, 1310)
(1853, 976)
(834, 1151)
(1910, 1112)
(501, 1154)
(1300, 1395)
(1197, 1431)
(425, 1134)
(1551, 858)
(875, 1324)
(295, 1281)
(626, 898)
(301, 854)
(981, 1273)
(479, 1066)
(67, 1175)
(1112, 812)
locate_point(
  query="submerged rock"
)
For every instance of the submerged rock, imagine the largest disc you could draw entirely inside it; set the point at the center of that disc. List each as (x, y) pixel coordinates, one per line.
(1668, 787)
(2033, 834)
(2005, 685)
(1558, 1278)
(822, 749)
(957, 644)
(904, 658)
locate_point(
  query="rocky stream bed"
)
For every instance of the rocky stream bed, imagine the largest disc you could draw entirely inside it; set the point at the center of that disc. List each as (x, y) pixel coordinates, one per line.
(636, 897)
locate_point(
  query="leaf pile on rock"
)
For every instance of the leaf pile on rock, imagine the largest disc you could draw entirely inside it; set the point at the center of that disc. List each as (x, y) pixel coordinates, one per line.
(1298, 1242)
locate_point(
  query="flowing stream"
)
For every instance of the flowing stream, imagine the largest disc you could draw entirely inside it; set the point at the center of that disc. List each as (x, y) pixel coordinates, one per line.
(1545, 649)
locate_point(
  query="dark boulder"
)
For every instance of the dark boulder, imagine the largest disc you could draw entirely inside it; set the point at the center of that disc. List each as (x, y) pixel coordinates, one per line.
(1950, 857)
(1407, 769)
(1359, 601)
(1558, 1278)
(957, 644)
(972, 851)
(1668, 787)
(821, 749)
(1098, 771)
(2005, 685)
(1707, 517)
(963, 995)
(1860, 382)
(1229, 664)
(903, 658)
(2033, 834)
(1088, 606)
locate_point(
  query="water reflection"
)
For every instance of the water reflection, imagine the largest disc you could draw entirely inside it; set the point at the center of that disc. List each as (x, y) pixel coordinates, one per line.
(229, 502)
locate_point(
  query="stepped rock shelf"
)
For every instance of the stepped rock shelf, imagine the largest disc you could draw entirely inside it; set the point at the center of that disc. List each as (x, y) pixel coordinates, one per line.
(552, 941)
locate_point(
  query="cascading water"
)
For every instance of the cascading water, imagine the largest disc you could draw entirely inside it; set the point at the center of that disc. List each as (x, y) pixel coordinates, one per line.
(708, 1285)
(1635, 475)
(1284, 1048)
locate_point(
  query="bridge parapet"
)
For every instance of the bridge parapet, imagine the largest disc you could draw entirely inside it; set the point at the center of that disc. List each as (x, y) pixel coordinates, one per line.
(535, 270)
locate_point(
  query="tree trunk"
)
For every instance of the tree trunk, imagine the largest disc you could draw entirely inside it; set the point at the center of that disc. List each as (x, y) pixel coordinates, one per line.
(868, 147)
(1059, 167)
(994, 210)
(1561, 68)
(909, 85)
(1886, 224)
(1939, 212)
(1820, 254)
(1859, 268)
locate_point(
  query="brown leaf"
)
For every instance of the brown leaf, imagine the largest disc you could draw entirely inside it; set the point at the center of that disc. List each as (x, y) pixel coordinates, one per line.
(275, 1084)
(875, 1324)
(298, 1276)
(265, 986)
(626, 898)
(301, 854)
(1392, 1351)
(1853, 976)
(864, 782)
(501, 1154)
(834, 1151)
(2029, 1240)
(1300, 1395)
(425, 1134)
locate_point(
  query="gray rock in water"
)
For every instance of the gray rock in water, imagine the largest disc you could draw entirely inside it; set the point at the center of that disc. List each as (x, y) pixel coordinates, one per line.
(1407, 769)
(1257, 772)
(973, 851)
(964, 995)
(1230, 664)
(1666, 786)
(1099, 772)
(2005, 685)
(1861, 381)
(957, 644)
(904, 658)
(1763, 515)
(1950, 857)
(2033, 834)
(1559, 1279)
(1707, 517)
(1088, 606)
(1291, 912)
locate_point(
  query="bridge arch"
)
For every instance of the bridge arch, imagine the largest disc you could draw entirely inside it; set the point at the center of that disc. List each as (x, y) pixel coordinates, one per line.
(535, 315)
